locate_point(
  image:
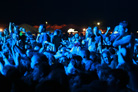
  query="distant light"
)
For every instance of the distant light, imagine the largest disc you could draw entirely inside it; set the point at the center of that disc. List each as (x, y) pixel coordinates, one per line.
(71, 30)
(46, 22)
(98, 23)
(75, 31)
(102, 32)
(137, 31)
(1, 29)
(84, 29)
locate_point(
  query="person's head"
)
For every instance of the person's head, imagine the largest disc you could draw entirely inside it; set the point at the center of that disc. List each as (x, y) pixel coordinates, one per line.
(89, 32)
(25, 62)
(42, 28)
(32, 41)
(28, 33)
(48, 32)
(121, 30)
(16, 30)
(27, 46)
(74, 65)
(123, 27)
(41, 69)
(58, 75)
(103, 72)
(37, 59)
(76, 35)
(76, 61)
(6, 31)
(75, 82)
(106, 57)
(64, 60)
(63, 49)
(95, 30)
(57, 32)
(15, 36)
(100, 32)
(37, 47)
(93, 56)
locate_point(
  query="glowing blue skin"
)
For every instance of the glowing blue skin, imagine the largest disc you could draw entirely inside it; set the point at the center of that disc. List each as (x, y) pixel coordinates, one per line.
(70, 69)
(34, 61)
(105, 58)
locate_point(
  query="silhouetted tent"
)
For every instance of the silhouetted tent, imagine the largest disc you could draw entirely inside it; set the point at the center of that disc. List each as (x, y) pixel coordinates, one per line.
(30, 28)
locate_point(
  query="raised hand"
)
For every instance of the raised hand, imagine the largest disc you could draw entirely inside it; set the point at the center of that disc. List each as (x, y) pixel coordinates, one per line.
(10, 27)
(108, 28)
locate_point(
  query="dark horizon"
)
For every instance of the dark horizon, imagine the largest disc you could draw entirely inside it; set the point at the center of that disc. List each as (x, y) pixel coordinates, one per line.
(35, 12)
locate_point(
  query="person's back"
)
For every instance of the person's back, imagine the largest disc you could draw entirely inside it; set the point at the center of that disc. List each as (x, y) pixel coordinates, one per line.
(56, 39)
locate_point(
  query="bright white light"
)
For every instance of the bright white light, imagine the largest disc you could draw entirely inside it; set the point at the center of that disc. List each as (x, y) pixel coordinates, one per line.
(98, 23)
(46, 22)
(84, 29)
(71, 30)
(1, 29)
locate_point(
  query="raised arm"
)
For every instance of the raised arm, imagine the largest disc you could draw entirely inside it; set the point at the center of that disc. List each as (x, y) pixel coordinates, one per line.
(10, 27)
(122, 41)
(108, 28)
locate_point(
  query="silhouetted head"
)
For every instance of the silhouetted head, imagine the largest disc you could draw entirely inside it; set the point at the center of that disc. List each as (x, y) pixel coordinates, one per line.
(42, 28)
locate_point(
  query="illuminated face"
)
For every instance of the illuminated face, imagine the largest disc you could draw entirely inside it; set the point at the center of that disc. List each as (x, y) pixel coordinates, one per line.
(48, 48)
(6, 32)
(95, 30)
(15, 36)
(106, 58)
(76, 35)
(16, 29)
(88, 32)
(121, 30)
(71, 68)
(100, 32)
(37, 48)
(40, 29)
(33, 61)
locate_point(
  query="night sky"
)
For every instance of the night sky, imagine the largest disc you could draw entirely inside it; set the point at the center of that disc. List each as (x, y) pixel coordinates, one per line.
(80, 12)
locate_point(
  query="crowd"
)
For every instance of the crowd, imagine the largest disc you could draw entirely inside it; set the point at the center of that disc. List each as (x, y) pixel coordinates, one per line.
(52, 62)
